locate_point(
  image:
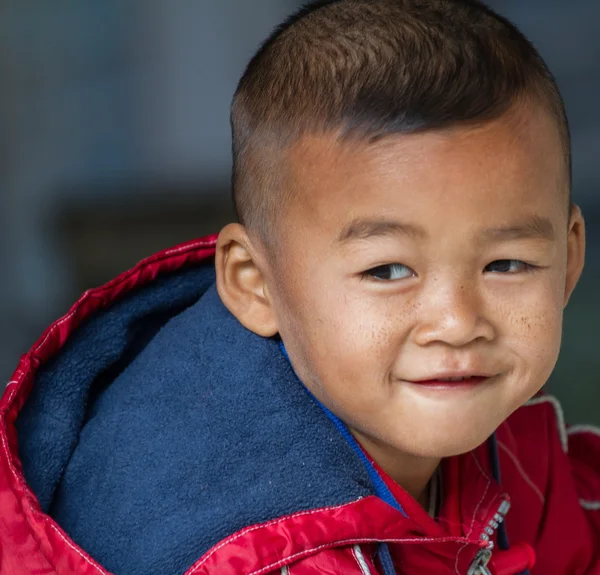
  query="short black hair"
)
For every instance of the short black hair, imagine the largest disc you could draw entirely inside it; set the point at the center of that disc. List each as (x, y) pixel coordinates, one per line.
(365, 69)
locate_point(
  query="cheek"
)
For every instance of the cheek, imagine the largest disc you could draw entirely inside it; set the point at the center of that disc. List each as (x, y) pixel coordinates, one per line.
(342, 339)
(367, 324)
(349, 329)
(534, 330)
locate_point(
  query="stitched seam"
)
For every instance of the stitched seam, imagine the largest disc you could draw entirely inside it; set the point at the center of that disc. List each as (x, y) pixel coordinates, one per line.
(95, 293)
(11, 395)
(464, 526)
(360, 559)
(261, 526)
(587, 504)
(560, 417)
(341, 543)
(87, 295)
(6, 450)
(9, 400)
(19, 374)
(489, 481)
(13, 471)
(522, 472)
(164, 255)
(582, 428)
(195, 245)
(74, 548)
(481, 469)
(46, 518)
(510, 431)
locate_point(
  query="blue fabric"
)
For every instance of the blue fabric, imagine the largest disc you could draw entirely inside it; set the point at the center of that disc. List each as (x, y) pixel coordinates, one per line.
(381, 489)
(66, 387)
(494, 457)
(170, 434)
(385, 558)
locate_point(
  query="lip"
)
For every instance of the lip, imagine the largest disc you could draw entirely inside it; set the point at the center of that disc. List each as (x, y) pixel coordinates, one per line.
(443, 383)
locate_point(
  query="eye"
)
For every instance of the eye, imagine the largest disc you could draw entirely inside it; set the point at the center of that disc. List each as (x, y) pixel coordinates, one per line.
(389, 272)
(508, 267)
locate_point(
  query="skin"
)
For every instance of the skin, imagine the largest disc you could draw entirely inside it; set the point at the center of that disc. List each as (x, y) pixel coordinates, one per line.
(456, 212)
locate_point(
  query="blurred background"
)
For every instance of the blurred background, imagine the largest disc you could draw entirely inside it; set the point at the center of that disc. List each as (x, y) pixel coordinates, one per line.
(114, 143)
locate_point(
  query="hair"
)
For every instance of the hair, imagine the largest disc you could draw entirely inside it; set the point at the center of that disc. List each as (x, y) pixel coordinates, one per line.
(367, 69)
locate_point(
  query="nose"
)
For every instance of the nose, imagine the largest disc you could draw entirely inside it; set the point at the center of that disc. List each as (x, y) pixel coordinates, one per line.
(452, 312)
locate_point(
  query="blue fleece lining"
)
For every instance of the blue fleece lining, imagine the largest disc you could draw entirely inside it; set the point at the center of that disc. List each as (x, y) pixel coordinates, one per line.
(68, 385)
(198, 429)
(381, 489)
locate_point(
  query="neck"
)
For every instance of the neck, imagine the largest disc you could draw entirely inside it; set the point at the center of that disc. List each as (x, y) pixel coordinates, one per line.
(411, 472)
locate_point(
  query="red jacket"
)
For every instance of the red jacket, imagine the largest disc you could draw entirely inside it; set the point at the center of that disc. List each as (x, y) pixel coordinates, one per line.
(550, 475)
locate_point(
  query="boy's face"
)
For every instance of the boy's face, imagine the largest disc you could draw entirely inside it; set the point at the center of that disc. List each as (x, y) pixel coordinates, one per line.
(421, 258)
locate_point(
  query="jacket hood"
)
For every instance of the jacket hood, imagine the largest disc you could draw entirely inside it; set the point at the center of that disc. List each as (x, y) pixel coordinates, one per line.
(163, 416)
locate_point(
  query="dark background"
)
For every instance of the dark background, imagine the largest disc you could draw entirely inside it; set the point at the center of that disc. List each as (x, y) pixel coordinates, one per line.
(114, 143)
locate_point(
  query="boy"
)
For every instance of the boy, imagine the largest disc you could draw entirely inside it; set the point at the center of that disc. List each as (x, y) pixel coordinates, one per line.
(355, 394)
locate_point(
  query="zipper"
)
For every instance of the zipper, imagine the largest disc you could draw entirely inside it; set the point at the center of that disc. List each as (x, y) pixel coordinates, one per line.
(480, 563)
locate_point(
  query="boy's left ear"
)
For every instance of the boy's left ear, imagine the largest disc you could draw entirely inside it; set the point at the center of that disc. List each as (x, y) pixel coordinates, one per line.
(241, 281)
(575, 251)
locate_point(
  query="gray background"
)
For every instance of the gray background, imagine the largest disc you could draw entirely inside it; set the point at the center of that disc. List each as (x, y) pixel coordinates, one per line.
(114, 143)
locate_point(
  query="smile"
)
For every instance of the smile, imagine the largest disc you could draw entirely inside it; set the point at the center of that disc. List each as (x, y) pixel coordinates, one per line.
(453, 382)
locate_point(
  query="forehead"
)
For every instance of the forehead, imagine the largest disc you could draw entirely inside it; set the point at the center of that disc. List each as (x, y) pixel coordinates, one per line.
(504, 166)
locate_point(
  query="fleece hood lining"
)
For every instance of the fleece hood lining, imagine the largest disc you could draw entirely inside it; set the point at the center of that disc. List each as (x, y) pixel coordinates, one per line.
(145, 421)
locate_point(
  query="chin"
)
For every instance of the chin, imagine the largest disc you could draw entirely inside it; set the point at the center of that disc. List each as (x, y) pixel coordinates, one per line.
(449, 445)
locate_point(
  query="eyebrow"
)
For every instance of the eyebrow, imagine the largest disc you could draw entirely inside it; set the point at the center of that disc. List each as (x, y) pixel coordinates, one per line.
(533, 227)
(362, 229)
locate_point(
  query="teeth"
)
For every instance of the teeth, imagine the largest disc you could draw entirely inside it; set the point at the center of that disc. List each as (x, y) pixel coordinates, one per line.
(454, 378)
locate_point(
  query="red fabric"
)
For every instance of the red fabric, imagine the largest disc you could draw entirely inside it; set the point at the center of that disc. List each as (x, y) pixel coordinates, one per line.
(520, 557)
(551, 476)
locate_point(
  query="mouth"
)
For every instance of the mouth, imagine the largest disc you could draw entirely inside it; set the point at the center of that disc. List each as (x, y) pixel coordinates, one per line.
(453, 382)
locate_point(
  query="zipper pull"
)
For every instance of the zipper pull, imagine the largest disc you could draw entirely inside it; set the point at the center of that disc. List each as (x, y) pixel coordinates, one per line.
(480, 563)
